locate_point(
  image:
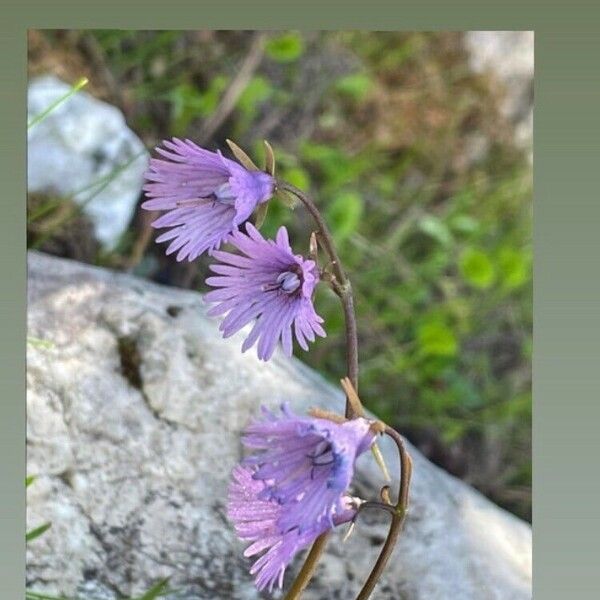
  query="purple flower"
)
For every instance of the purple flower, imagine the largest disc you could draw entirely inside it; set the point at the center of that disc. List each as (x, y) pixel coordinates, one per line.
(269, 284)
(207, 196)
(294, 487)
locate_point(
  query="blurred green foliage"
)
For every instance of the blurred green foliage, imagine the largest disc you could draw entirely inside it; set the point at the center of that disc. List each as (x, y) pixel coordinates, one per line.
(385, 130)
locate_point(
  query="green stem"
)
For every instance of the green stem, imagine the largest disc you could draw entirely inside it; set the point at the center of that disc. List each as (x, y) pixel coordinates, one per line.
(38, 118)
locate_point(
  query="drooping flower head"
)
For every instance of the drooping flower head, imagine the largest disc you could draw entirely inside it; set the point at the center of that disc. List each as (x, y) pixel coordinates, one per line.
(207, 196)
(294, 487)
(270, 285)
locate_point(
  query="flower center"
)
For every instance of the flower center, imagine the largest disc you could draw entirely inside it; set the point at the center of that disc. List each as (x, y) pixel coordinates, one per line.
(322, 456)
(224, 194)
(288, 282)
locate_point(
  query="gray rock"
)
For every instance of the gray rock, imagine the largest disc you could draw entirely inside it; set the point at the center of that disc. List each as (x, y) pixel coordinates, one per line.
(134, 412)
(72, 151)
(509, 57)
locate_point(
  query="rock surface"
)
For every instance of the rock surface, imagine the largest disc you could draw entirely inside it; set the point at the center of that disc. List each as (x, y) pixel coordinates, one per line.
(135, 405)
(509, 57)
(74, 149)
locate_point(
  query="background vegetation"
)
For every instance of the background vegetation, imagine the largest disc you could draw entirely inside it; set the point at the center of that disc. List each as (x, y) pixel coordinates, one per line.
(410, 158)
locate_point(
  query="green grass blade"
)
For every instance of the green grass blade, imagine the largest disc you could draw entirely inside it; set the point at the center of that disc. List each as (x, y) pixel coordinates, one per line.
(39, 118)
(156, 591)
(37, 596)
(103, 183)
(39, 343)
(35, 533)
(43, 210)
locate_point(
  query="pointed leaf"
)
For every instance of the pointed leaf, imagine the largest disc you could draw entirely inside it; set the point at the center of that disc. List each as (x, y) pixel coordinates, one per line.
(160, 589)
(269, 159)
(34, 533)
(261, 214)
(29, 595)
(287, 198)
(244, 159)
(313, 247)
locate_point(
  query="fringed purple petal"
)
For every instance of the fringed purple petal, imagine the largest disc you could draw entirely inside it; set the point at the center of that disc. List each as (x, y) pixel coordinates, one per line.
(294, 486)
(208, 196)
(270, 284)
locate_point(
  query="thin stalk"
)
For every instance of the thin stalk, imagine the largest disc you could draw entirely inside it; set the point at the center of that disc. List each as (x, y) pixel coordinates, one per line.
(342, 286)
(39, 118)
(308, 568)
(344, 291)
(398, 516)
(103, 183)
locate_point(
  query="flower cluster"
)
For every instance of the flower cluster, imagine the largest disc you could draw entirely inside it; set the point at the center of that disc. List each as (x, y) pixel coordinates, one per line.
(294, 486)
(208, 199)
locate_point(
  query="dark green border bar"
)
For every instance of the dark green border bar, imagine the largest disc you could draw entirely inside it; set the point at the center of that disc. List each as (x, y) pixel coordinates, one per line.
(566, 366)
(12, 312)
(567, 240)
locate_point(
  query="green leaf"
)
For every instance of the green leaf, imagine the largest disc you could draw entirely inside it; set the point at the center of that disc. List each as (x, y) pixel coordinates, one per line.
(285, 48)
(241, 155)
(515, 268)
(436, 339)
(189, 102)
(258, 90)
(344, 214)
(35, 533)
(156, 591)
(261, 215)
(464, 224)
(29, 480)
(436, 229)
(39, 343)
(287, 198)
(37, 596)
(355, 86)
(298, 177)
(477, 268)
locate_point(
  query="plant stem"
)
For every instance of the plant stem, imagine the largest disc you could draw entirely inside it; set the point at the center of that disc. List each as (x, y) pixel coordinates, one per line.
(398, 517)
(39, 118)
(344, 291)
(308, 568)
(342, 286)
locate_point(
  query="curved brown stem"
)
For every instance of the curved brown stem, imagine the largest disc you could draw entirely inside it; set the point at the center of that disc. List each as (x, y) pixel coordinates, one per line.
(308, 568)
(344, 291)
(341, 286)
(398, 516)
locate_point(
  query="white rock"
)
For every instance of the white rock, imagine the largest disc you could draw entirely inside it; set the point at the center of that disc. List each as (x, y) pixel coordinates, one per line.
(78, 144)
(509, 57)
(134, 470)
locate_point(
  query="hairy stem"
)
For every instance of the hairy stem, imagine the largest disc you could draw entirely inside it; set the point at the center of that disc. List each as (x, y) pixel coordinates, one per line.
(341, 285)
(398, 516)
